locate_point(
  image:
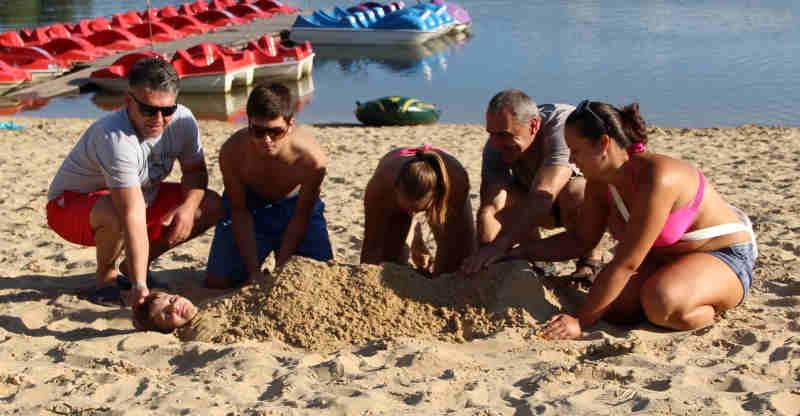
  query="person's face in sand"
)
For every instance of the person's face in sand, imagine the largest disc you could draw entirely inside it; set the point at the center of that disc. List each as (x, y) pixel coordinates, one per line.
(150, 110)
(509, 136)
(590, 156)
(269, 136)
(169, 312)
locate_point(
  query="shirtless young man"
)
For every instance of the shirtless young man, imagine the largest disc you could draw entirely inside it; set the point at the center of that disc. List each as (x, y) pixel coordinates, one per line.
(272, 171)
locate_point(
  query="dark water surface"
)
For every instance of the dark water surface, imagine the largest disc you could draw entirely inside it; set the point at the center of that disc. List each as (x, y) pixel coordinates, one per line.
(711, 63)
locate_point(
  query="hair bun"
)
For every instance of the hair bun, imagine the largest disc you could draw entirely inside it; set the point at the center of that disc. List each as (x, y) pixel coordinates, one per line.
(633, 123)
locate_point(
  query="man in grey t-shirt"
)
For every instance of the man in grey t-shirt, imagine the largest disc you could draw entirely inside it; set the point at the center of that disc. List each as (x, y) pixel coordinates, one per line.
(527, 180)
(110, 192)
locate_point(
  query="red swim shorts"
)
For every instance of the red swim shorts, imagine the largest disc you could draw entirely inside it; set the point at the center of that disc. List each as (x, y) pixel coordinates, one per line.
(68, 213)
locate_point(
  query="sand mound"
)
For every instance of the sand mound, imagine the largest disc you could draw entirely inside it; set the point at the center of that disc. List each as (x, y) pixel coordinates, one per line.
(323, 306)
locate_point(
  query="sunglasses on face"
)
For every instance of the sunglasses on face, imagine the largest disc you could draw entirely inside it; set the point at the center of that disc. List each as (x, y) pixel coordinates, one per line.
(261, 132)
(148, 110)
(583, 108)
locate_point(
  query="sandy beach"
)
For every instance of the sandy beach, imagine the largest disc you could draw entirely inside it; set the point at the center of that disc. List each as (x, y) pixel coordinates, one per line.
(60, 354)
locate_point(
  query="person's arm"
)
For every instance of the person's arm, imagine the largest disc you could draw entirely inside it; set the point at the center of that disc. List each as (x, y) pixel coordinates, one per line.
(495, 179)
(130, 207)
(537, 206)
(194, 179)
(649, 211)
(375, 215)
(241, 218)
(533, 210)
(307, 198)
(457, 239)
(592, 222)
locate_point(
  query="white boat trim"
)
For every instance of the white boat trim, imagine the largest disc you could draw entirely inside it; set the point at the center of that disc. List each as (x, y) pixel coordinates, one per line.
(287, 70)
(216, 83)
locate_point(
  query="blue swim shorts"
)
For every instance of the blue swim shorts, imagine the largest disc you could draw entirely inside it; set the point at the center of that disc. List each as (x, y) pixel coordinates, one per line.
(741, 258)
(270, 221)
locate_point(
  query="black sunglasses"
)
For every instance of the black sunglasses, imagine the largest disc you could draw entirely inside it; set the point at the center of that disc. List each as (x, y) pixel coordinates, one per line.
(584, 107)
(148, 110)
(261, 132)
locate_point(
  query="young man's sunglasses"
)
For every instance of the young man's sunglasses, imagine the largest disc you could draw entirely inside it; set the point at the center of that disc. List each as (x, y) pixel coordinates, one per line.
(148, 110)
(261, 132)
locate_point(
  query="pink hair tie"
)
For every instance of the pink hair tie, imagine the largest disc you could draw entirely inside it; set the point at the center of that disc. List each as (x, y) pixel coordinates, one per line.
(637, 147)
(412, 151)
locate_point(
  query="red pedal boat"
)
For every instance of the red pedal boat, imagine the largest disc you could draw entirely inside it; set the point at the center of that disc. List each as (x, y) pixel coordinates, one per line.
(116, 40)
(218, 18)
(277, 61)
(208, 67)
(11, 77)
(115, 76)
(126, 20)
(186, 24)
(86, 27)
(11, 39)
(157, 31)
(73, 50)
(39, 63)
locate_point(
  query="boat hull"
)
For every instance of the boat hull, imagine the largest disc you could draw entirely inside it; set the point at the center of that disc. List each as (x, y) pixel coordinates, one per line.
(288, 70)
(216, 83)
(346, 36)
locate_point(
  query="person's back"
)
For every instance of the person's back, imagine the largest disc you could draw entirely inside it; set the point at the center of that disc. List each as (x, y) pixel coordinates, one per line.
(410, 181)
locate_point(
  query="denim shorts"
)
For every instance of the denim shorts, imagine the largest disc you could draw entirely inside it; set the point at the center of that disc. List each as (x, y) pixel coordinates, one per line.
(269, 222)
(741, 258)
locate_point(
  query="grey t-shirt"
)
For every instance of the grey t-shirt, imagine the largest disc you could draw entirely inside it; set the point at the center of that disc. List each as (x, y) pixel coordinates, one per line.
(548, 149)
(110, 155)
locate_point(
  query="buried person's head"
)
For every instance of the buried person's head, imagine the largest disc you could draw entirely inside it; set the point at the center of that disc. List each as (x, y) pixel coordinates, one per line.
(163, 312)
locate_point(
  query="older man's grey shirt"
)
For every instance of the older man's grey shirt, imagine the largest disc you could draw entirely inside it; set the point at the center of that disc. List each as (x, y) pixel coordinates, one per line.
(549, 148)
(110, 155)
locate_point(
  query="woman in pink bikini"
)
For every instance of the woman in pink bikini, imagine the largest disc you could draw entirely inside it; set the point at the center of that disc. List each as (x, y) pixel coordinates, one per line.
(684, 254)
(409, 181)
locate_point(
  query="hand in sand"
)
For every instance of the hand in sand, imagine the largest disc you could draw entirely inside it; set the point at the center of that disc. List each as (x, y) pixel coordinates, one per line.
(484, 257)
(254, 277)
(562, 326)
(181, 222)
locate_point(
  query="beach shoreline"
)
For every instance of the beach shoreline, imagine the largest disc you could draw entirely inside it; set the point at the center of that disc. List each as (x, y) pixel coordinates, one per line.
(60, 353)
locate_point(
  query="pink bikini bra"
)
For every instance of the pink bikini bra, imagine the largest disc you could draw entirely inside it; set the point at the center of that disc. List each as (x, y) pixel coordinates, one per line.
(679, 221)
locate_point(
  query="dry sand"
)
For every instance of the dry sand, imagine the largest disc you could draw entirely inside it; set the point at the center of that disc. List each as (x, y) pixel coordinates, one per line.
(60, 354)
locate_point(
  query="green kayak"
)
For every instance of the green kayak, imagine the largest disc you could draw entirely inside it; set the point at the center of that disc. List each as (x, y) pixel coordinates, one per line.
(396, 111)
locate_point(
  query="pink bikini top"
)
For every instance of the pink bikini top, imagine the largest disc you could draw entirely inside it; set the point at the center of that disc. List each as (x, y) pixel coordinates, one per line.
(678, 221)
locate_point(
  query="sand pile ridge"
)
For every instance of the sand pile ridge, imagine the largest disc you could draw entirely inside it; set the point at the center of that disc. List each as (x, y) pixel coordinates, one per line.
(323, 306)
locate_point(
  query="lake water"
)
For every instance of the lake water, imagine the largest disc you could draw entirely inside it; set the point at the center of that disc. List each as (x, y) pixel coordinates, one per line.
(693, 64)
